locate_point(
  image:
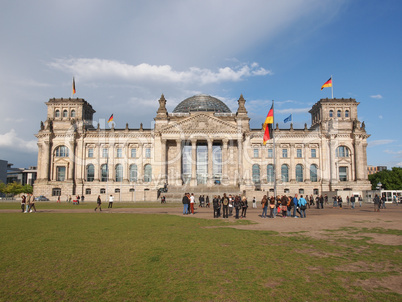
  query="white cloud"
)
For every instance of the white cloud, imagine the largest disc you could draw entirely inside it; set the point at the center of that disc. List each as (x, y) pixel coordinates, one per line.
(380, 142)
(393, 152)
(10, 140)
(380, 117)
(377, 96)
(93, 68)
(399, 164)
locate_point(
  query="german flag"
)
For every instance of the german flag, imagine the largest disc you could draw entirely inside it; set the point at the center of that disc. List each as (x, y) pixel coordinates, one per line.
(74, 91)
(268, 133)
(110, 119)
(327, 83)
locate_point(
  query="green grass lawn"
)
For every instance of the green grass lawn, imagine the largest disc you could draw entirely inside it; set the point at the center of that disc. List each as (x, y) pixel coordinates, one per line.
(132, 257)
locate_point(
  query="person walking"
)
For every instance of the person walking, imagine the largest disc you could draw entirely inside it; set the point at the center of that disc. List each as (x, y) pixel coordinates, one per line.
(225, 206)
(321, 199)
(244, 206)
(254, 203)
(383, 199)
(32, 204)
(23, 203)
(303, 206)
(360, 200)
(377, 203)
(264, 205)
(111, 199)
(99, 203)
(58, 199)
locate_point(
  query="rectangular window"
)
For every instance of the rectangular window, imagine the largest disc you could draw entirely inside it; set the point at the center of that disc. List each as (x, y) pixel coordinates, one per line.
(147, 152)
(315, 191)
(343, 176)
(256, 153)
(301, 191)
(284, 153)
(60, 173)
(87, 191)
(102, 191)
(90, 152)
(299, 153)
(104, 152)
(133, 152)
(270, 153)
(313, 153)
(119, 152)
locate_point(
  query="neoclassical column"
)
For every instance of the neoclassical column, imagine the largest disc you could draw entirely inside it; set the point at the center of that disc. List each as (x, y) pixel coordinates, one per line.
(163, 160)
(193, 162)
(210, 164)
(46, 160)
(240, 159)
(140, 166)
(71, 160)
(178, 163)
(225, 160)
(292, 166)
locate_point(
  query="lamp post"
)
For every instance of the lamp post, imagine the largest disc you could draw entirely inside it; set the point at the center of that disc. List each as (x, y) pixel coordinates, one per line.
(379, 186)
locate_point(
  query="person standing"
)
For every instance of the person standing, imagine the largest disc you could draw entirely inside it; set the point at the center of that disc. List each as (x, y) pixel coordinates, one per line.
(383, 199)
(192, 201)
(254, 203)
(360, 200)
(78, 199)
(111, 199)
(207, 201)
(303, 206)
(98, 202)
(218, 209)
(321, 199)
(264, 205)
(58, 199)
(28, 201)
(237, 206)
(326, 199)
(377, 203)
(23, 203)
(295, 206)
(230, 205)
(225, 206)
(284, 208)
(352, 201)
(185, 202)
(340, 202)
(244, 206)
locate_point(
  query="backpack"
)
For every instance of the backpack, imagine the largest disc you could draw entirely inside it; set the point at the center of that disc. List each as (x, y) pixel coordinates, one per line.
(225, 201)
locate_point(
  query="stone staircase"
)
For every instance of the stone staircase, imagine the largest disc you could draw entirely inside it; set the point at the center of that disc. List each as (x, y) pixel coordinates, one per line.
(175, 194)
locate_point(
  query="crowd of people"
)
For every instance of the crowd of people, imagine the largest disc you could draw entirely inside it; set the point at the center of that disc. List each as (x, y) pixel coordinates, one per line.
(28, 203)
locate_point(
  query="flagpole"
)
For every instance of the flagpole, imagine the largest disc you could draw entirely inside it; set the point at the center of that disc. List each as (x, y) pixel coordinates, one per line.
(273, 144)
(332, 87)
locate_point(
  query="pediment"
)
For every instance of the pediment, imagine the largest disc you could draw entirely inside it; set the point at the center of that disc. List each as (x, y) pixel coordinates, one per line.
(200, 123)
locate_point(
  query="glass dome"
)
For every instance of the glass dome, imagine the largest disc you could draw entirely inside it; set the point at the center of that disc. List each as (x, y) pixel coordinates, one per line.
(201, 102)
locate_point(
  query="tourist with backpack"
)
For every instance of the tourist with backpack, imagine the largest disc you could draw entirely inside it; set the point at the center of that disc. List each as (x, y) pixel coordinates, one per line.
(225, 206)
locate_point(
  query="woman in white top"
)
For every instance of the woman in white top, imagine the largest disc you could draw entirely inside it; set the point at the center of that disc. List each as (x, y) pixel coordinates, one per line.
(192, 200)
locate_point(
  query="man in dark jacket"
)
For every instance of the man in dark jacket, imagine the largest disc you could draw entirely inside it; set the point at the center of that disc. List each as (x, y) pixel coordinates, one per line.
(186, 202)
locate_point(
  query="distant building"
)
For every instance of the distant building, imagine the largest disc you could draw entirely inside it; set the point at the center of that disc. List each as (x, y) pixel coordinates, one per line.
(375, 169)
(21, 175)
(3, 171)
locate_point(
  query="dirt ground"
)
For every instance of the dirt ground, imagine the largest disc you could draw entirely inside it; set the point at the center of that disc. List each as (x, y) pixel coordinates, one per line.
(316, 224)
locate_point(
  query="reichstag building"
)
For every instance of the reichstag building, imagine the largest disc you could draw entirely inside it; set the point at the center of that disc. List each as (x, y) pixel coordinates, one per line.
(201, 146)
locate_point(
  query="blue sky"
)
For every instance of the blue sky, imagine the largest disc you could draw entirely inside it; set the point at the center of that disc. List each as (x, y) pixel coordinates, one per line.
(125, 54)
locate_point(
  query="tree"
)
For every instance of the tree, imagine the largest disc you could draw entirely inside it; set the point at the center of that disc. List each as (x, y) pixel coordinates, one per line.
(2, 187)
(14, 188)
(390, 179)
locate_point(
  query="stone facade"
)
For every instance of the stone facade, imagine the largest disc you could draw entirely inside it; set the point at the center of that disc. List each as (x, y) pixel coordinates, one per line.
(202, 148)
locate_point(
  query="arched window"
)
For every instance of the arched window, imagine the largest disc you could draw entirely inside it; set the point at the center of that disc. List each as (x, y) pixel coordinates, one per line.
(119, 172)
(338, 113)
(313, 173)
(346, 113)
(148, 173)
(270, 173)
(73, 113)
(299, 173)
(65, 113)
(104, 172)
(285, 173)
(90, 172)
(342, 151)
(133, 173)
(57, 113)
(61, 151)
(331, 113)
(256, 173)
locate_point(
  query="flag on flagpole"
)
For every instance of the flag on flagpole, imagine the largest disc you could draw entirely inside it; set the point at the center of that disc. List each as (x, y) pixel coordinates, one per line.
(268, 134)
(288, 119)
(74, 91)
(110, 119)
(327, 83)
